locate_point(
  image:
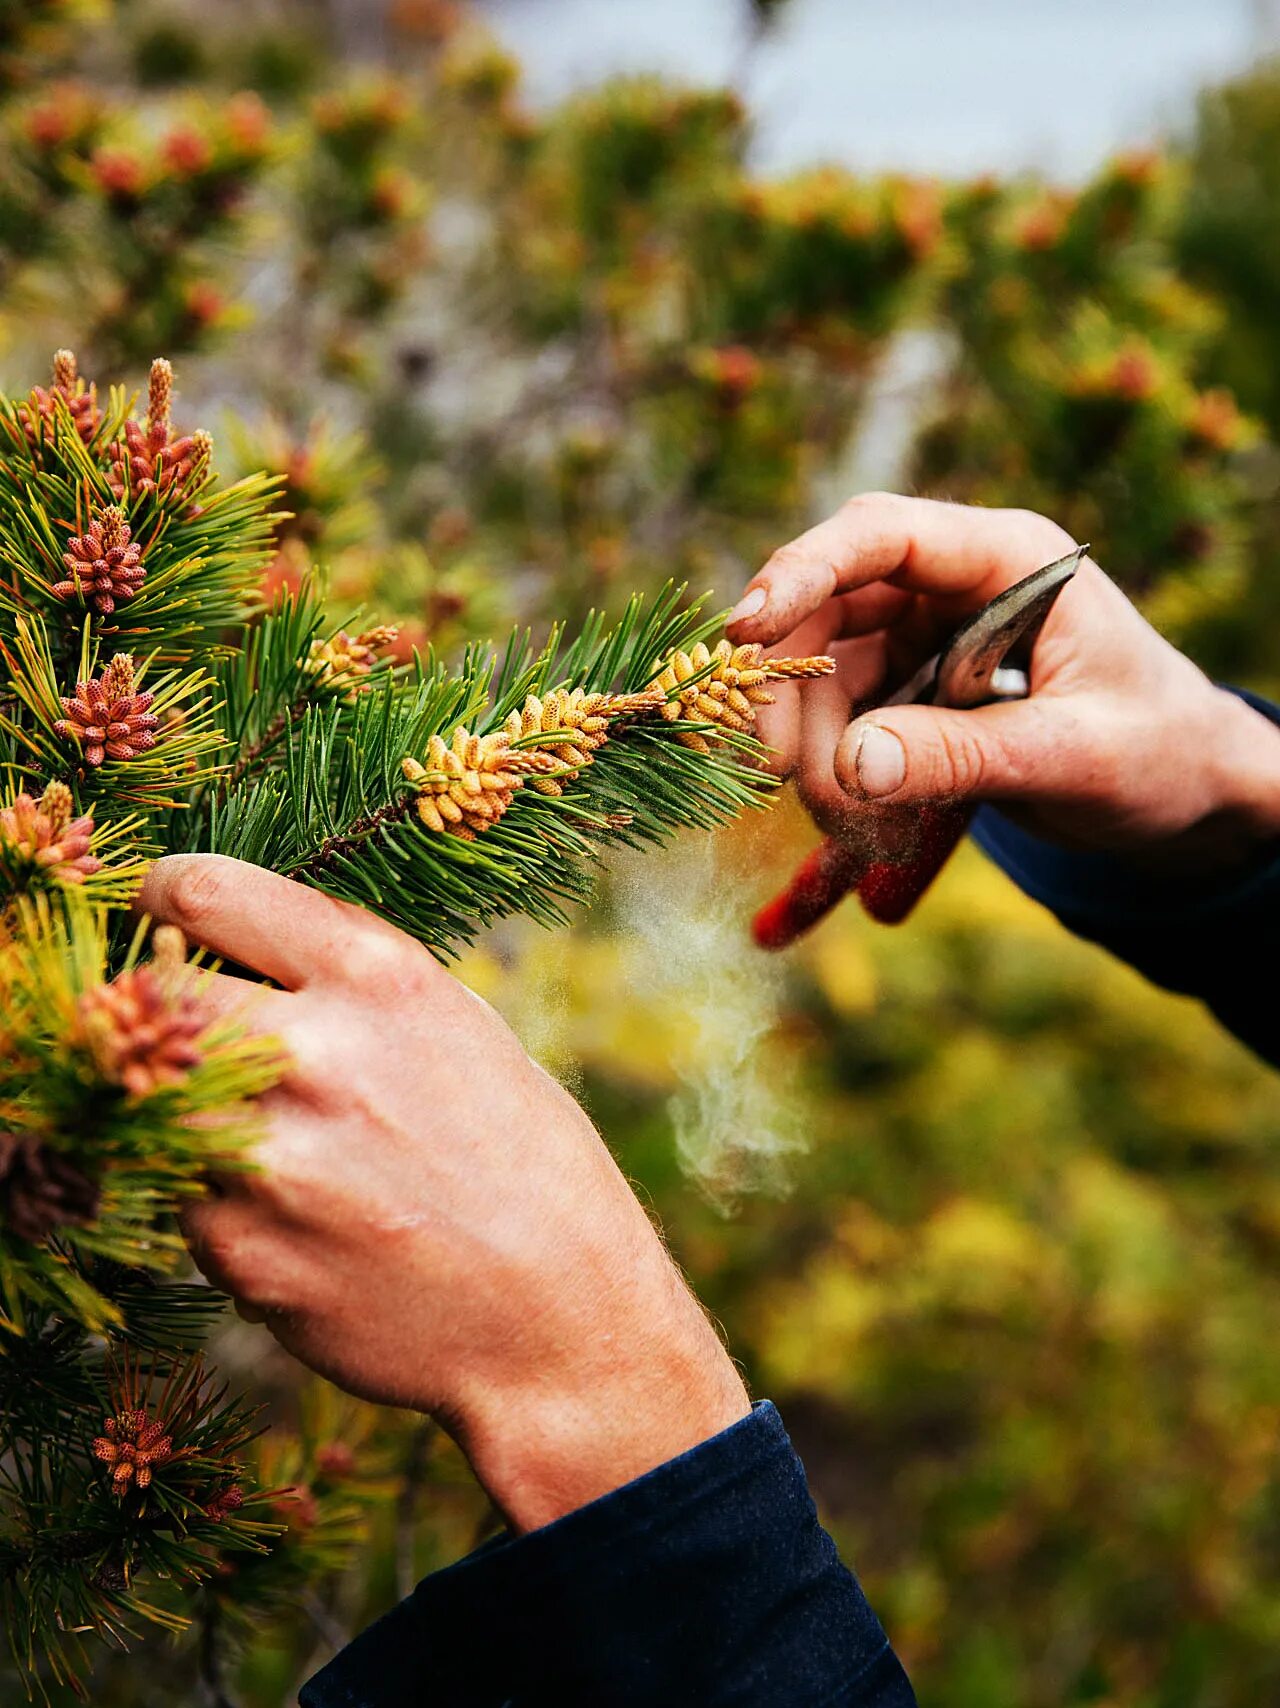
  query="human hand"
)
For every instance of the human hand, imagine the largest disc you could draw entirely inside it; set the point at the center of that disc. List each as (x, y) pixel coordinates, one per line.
(433, 1221)
(1123, 743)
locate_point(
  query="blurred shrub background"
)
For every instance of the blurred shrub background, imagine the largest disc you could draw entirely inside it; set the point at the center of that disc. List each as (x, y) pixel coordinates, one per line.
(995, 1224)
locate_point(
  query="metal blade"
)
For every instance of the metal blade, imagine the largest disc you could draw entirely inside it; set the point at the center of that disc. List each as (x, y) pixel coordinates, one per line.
(974, 669)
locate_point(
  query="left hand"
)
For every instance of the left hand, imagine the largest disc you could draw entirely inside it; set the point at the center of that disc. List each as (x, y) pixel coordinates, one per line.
(434, 1222)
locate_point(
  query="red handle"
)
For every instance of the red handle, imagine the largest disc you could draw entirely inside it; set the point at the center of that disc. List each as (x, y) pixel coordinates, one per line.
(822, 881)
(890, 892)
(887, 891)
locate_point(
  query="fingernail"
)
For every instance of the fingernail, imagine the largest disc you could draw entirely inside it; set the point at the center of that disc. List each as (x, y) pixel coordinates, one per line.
(750, 605)
(881, 761)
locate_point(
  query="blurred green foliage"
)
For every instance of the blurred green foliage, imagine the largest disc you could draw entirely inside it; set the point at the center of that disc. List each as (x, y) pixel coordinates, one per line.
(1019, 1300)
(1228, 242)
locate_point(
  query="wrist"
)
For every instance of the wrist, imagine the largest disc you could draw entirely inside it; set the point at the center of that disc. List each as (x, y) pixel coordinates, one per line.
(547, 1446)
(1244, 806)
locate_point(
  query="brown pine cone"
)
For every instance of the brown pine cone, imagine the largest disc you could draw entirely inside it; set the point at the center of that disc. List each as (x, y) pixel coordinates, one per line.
(41, 1189)
(221, 1505)
(105, 564)
(106, 718)
(149, 460)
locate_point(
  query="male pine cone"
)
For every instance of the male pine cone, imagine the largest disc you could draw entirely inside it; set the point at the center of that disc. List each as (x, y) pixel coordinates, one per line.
(39, 413)
(143, 1030)
(104, 564)
(44, 835)
(569, 724)
(106, 718)
(149, 459)
(467, 785)
(723, 687)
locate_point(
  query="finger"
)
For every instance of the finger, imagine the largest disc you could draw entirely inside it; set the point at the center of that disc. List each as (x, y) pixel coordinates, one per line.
(293, 935)
(860, 668)
(864, 828)
(877, 606)
(904, 754)
(819, 884)
(824, 718)
(237, 1249)
(778, 728)
(927, 546)
(218, 1230)
(920, 633)
(862, 612)
(825, 707)
(779, 725)
(225, 998)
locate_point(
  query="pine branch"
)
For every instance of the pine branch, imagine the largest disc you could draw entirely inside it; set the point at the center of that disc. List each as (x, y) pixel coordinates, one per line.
(98, 1090)
(45, 847)
(149, 1495)
(202, 545)
(173, 710)
(337, 812)
(285, 666)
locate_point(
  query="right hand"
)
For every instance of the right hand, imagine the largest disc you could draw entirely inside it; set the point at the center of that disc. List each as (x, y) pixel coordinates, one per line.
(1123, 744)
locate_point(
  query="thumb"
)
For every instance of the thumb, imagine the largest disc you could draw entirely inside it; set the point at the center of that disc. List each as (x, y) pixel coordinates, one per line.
(902, 754)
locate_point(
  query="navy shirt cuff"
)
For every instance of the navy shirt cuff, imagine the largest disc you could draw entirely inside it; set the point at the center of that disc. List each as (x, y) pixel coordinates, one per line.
(1185, 933)
(708, 1581)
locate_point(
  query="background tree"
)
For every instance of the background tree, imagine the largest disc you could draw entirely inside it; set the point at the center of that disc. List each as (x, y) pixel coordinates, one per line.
(509, 365)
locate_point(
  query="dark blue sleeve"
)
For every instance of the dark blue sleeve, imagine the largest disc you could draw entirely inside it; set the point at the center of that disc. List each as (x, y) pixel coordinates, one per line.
(1214, 939)
(705, 1584)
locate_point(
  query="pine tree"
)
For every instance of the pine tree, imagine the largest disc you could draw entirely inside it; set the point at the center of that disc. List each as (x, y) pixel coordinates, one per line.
(155, 700)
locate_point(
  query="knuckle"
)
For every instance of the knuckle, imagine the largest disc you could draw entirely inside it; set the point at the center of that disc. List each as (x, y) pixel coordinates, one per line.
(288, 1167)
(877, 523)
(309, 1056)
(194, 893)
(787, 559)
(962, 762)
(863, 502)
(385, 964)
(1042, 534)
